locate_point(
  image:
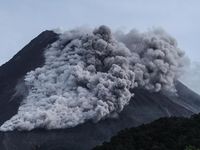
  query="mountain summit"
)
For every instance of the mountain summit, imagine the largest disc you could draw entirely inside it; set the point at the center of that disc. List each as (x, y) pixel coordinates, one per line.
(88, 86)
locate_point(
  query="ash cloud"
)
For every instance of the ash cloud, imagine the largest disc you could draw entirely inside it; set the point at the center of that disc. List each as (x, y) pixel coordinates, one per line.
(157, 61)
(88, 76)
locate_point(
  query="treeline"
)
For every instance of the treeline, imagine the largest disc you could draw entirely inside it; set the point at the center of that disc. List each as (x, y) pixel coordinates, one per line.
(163, 134)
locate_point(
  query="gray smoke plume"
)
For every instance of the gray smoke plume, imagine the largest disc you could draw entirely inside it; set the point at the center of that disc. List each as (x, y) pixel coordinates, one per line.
(157, 61)
(88, 76)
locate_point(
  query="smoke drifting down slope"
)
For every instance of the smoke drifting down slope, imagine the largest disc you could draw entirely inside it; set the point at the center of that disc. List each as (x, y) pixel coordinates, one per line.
(88, 75)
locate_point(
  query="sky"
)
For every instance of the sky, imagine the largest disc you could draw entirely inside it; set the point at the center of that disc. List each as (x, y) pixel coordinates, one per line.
(22, 20)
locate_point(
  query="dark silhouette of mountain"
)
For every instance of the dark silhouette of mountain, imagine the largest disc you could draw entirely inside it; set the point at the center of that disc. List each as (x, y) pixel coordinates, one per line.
(30, 57)
(163, 134)
(143, 108)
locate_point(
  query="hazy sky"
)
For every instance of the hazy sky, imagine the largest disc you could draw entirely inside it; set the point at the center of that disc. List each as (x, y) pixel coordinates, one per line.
(22, 20)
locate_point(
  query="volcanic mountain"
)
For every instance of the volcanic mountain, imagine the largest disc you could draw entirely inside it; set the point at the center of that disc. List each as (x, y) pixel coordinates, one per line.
(145, 106)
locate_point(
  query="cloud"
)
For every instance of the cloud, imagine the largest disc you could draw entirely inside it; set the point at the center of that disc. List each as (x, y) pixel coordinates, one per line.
(88, 75)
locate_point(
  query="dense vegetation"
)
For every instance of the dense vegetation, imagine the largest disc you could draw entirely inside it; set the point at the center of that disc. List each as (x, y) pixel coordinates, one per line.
(163, 134)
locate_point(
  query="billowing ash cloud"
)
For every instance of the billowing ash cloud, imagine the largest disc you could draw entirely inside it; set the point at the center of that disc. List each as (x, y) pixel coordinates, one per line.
(88, 76)
(156, 59)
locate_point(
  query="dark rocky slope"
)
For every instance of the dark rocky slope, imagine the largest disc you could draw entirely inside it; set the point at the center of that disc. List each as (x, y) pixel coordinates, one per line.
(143, 108)
(30, 57)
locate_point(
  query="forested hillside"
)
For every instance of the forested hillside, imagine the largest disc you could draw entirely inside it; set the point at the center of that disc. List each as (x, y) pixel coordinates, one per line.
(163, 134)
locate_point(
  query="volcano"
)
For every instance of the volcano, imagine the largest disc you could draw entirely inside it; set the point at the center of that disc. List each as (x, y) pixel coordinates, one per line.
(144, 107)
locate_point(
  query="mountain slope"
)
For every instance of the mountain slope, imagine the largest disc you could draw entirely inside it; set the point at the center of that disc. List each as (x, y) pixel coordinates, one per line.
(163, 134)
(143, 108)
(30, 57)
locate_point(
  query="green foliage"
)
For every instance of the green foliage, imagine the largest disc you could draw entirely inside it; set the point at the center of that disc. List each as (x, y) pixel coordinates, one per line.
(191, 148)
(164, 134)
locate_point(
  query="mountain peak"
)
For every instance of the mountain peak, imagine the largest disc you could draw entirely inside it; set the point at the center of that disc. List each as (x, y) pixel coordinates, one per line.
(30, 57)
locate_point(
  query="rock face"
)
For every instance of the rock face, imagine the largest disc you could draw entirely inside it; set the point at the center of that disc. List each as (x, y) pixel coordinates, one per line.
(143, 108)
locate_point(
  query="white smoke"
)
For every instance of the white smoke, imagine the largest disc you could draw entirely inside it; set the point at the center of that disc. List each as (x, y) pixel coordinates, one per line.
(88, 75)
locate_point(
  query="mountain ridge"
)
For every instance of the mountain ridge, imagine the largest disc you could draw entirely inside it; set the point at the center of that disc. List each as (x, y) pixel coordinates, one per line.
(11, 72)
